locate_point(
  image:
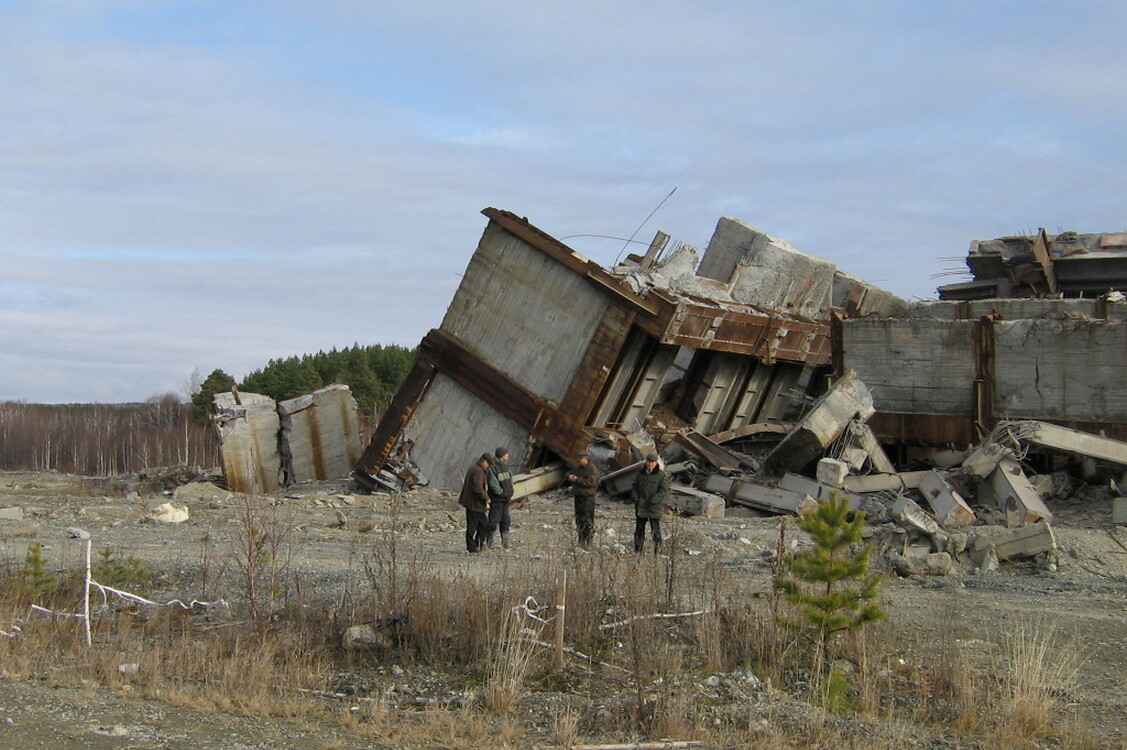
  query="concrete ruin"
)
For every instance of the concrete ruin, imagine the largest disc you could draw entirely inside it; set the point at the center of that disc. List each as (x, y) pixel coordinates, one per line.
(266, 445)
(766, 377)
(546, 352)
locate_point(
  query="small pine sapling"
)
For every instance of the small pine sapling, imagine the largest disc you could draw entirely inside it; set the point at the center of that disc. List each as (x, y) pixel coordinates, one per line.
(829, 581)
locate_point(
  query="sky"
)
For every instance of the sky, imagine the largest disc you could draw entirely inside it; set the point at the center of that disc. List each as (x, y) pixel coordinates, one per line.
(191, 186)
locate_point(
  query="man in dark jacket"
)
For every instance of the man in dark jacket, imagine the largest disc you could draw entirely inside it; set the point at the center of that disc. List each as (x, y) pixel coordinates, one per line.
(585, 482)
(651, 488)
(475, 499)
(500, 493)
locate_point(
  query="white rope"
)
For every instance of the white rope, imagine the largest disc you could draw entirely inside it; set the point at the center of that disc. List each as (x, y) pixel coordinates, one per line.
(532, 609)
(658, 616)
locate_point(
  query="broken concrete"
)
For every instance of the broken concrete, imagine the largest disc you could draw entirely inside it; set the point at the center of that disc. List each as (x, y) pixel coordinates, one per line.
(832, 472)
(905, 480)
(755, 495)
(803, 486)
(943, 496)
(848, 399)
(1028, 541)
(248, 428)
(694, 502)
(1017, 496)
(320, 435)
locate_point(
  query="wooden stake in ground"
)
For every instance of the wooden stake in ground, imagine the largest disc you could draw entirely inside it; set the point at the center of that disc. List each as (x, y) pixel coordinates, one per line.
(86, 597)
(561, 609)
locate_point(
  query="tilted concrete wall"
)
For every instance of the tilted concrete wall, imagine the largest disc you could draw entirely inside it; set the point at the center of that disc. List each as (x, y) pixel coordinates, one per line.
(524, 313)
(452, 428)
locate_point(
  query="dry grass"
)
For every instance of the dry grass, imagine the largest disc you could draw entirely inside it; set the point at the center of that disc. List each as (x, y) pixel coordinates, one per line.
(465, 630)
(1042, 671)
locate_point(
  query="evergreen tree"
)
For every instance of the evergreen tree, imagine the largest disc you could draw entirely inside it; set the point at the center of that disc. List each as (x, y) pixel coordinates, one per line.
(829, 581)
(217, 382)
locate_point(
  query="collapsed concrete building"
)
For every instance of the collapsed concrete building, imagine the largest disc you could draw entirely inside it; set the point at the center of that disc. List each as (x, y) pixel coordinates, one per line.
(547, 353)
(768, 378)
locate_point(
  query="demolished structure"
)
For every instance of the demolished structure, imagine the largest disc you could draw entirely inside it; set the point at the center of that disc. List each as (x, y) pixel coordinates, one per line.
(266, 445)
(768, 377)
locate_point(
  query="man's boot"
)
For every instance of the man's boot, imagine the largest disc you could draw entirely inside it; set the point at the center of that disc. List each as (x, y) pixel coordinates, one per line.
(657, 546)
(505, 539)
(639, 544)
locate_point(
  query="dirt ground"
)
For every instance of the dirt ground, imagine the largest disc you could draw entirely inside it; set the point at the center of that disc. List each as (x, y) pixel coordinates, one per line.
(1081, 594)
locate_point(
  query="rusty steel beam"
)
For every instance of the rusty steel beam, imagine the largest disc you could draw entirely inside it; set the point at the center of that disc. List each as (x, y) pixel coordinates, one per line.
(503, 394)
(926, 429)
(984, 383)
(399, 412)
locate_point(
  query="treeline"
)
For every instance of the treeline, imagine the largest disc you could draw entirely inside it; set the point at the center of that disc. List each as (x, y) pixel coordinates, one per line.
(103, 439)
(109, 439)
(373, 374)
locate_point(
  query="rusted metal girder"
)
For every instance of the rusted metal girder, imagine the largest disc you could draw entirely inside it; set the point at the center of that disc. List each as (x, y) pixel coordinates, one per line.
(984, 384)
(739, 329)
(399, 412)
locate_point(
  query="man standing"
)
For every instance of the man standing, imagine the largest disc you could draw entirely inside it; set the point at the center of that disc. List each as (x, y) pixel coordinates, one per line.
(651, 488)
(500, 493)
(585, 481)
(475, 499)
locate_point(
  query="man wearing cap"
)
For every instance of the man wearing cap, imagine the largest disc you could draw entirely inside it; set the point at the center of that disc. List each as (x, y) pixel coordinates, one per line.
(585, 481)
(500, 481)
(475, 499)
(651, 488)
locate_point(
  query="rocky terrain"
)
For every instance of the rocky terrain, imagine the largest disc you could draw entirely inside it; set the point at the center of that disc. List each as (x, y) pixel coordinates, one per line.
(1078, 595)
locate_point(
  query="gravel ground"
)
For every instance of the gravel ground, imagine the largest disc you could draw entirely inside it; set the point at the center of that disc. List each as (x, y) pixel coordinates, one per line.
(332, 530)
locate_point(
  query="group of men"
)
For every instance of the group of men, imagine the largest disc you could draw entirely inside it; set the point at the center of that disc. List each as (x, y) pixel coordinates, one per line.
(488, 488)
(486, 493)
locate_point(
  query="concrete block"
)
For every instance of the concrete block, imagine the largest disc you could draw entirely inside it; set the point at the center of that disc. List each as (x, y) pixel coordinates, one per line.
(320, 434)
(1028, 541)
(911, 516)
(1067, 440)
(13, 513)
(945, 500)
(1017, 496)
(802, 485)
(763, 497)
(921, 561)
(905, 480)
(248, 432)
(695, 502)
(868, 442)
(832, 472)
(1119, 510)
(981, 461)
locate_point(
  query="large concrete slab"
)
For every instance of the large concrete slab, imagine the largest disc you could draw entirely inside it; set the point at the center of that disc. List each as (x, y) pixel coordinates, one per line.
(248, 430)
(768, 272)
(946, 502)
(320, 434)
